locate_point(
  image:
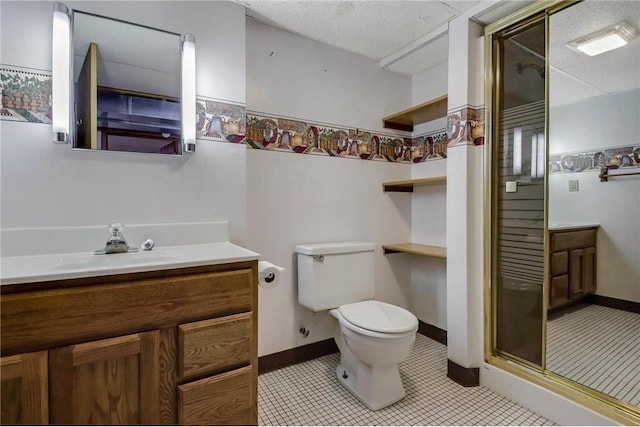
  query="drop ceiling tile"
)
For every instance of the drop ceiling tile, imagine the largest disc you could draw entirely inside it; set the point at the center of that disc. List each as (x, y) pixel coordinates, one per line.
(565, 90)
(371, 28)
(619, 71)
(582, 19)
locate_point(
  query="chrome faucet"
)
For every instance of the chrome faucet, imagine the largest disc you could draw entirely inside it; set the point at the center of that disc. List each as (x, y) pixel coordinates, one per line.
(116, 243)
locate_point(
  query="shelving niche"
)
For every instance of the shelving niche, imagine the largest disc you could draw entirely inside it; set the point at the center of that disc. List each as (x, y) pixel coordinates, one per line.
(410, 247)
(407, 185)
(427, 111)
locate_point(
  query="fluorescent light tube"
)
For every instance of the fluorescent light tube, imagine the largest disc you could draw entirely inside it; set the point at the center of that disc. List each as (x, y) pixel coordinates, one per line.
(604, 40)
(61, 73)
(534, 155)
(541, 148)
(517, 151)
(188, 93)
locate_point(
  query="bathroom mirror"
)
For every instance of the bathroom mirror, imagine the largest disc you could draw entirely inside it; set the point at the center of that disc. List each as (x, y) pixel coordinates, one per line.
(127, 86)
(593, 327)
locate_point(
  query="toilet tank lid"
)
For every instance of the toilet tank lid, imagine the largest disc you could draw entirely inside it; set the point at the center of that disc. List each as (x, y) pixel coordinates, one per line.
(335, 248)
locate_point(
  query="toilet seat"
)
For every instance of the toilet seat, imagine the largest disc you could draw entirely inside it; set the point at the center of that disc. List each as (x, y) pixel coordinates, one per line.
(380, 317)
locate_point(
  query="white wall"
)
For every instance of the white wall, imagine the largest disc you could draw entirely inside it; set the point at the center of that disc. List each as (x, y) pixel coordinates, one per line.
(428, 211)
(429, 84)
(297, 198)
(598, 123)
(428, 226)
(602, 122)
(295, 76)
(44, 184)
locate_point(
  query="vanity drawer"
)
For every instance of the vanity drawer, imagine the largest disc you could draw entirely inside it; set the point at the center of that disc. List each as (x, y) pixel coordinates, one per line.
(566, 240)
(214, 345)
(225, 399)
(559, 263)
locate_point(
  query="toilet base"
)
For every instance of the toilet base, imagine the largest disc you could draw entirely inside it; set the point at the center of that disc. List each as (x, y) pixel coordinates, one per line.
(376, 388)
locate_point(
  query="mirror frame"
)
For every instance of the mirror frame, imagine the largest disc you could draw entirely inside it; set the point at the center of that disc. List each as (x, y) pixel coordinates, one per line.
(63, 91)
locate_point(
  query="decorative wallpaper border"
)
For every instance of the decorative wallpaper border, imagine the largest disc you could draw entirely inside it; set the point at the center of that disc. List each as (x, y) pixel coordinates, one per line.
(268, 132)
(220, 121)
(26, 97)
(465, 126)
(593, 160)
(26, 94)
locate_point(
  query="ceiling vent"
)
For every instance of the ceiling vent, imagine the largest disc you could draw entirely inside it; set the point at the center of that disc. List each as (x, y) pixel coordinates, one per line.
(604, 40)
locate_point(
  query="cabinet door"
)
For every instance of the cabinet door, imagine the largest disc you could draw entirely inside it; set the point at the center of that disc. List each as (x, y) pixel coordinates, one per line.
(112, 381)
(559, 290)
(576, 287)
(589, 270)
(24, 398)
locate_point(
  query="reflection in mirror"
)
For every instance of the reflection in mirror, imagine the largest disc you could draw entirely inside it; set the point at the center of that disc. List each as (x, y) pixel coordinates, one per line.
(127, 86)
(593, 330)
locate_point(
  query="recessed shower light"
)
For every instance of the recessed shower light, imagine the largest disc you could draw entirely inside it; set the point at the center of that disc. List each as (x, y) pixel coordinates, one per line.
(604, 40)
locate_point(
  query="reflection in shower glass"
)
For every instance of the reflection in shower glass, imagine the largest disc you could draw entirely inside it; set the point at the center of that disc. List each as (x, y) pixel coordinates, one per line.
(520, 192)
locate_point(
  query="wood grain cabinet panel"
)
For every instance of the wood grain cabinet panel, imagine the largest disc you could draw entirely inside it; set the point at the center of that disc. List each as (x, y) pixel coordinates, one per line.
(559, 290)
(566, 240)
(25, 395)
(576, 258)
(65, 316)
(589, 270)
(213, 345)
(108, 382)
(225, 399)
(126, 349)
(572, 266)
(559, 263)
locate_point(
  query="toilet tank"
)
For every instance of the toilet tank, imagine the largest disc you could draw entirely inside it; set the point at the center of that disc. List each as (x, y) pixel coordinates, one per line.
(334, 274)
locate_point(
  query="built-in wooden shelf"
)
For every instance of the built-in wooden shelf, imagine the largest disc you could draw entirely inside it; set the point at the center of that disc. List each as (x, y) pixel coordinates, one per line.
(416, 249)
(425, 112)
(407, 186)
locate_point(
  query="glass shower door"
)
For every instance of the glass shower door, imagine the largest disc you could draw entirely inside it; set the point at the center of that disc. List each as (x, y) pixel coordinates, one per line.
(519, 191)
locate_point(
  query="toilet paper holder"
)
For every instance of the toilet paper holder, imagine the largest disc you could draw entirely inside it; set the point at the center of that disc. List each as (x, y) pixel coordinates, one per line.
(268, 274)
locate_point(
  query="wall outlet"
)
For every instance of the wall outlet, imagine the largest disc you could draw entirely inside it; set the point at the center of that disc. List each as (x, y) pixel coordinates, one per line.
(573, 185)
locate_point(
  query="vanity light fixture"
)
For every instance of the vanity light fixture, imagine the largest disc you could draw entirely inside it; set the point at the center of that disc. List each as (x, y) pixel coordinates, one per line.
(61, 74)
(188, 93)
(604, 40)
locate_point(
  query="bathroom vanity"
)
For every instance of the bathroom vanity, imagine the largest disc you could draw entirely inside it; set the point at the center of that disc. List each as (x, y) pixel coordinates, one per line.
(572, 261)
(161, 345)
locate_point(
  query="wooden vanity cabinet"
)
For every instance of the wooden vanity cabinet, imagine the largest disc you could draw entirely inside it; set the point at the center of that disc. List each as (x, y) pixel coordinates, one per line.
(572, 261)
(163, 347)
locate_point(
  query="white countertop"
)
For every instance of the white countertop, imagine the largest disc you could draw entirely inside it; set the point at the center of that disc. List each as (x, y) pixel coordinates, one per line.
(42, 268)
(572, 225)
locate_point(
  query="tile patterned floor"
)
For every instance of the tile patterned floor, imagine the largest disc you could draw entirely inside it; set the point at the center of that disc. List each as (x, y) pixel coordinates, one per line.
(597, 347)
(309, 394)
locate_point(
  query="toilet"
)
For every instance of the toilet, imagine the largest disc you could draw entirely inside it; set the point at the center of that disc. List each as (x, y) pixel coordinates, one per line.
(372, 336)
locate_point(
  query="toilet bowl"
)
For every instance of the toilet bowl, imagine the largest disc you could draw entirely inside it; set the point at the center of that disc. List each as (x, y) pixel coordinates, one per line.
(373, 337)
